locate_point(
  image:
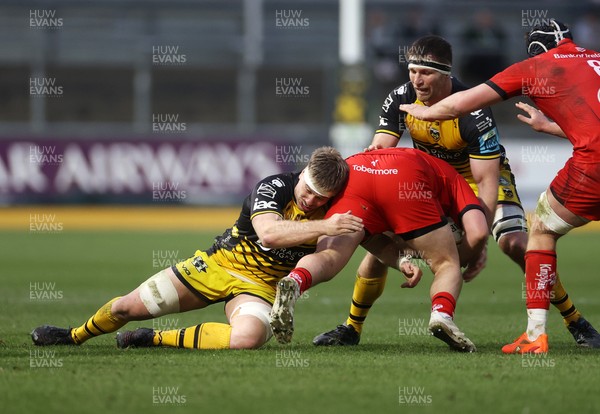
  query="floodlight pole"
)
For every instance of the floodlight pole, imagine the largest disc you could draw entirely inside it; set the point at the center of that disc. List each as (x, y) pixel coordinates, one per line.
(349, 132)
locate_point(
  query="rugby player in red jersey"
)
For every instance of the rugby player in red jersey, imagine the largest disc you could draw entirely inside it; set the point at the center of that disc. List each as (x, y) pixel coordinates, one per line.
(409, 193)
(571, 98)
(470, 144)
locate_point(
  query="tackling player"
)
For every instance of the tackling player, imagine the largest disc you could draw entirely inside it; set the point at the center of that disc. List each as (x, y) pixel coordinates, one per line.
(570, 97)
(279, 223)
(469, 142)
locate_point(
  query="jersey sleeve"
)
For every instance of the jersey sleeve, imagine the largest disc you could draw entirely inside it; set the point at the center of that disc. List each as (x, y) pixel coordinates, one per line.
(509, 83)
(479, 130)
(271, 195)
(391, 119)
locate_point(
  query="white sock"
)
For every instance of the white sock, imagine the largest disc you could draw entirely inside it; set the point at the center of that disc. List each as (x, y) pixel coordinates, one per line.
(536, 323)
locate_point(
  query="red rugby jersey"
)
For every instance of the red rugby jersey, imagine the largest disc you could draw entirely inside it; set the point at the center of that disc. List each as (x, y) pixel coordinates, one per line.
(565, 84)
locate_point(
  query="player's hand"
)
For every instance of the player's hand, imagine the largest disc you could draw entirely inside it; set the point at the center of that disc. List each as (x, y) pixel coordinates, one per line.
(475, 267)
(536, 120)
(411, 272)
(418, 111)
(342, 224)
(373, 147)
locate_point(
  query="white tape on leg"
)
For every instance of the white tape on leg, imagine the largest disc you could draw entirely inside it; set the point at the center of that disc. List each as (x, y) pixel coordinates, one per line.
(508, 218)
(259, 310)
(159, 295)
(549, 217)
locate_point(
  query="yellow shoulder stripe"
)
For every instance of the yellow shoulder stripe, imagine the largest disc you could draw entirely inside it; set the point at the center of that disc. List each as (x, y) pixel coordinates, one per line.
(484, 157)
(264, 212)
(385, 131)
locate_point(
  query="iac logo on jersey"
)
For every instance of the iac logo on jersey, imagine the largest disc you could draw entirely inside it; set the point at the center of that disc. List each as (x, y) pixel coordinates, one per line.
(264, 205)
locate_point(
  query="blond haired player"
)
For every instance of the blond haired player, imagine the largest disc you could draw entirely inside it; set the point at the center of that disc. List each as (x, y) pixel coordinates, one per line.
(279, 223)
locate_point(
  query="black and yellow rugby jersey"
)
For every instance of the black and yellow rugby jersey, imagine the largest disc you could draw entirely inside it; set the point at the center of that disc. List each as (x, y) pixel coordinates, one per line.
(456, 140)
(239, 250)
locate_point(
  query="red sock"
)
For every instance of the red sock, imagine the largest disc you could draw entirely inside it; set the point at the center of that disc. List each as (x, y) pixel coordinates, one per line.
(303, 277)
(443, 302)
(540, 276)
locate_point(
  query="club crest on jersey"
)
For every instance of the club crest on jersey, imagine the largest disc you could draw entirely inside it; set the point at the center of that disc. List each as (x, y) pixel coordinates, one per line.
(508, 192)
(199, 264)
(434, 132)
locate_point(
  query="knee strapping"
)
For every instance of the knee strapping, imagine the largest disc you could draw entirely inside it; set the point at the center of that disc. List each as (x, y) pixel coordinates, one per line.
(261, 311)
(549, 218)
(508, 219)
(159, 295)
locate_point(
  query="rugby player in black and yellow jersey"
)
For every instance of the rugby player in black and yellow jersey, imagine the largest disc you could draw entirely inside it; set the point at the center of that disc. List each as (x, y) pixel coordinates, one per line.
(470, 144)
(279, 223)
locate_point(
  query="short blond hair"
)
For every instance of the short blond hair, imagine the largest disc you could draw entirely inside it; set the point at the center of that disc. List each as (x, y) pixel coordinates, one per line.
(328, 170)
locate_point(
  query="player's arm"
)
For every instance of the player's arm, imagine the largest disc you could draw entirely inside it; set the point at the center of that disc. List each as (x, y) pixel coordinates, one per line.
(486, 174)
(275, 232)
(455, 105)
(472, 250)
(383, 140)
(538, 121)
(332, 254)
(391, 252)
(391, 120)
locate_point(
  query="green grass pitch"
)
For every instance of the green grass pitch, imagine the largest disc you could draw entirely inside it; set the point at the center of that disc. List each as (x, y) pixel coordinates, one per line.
(63, 278)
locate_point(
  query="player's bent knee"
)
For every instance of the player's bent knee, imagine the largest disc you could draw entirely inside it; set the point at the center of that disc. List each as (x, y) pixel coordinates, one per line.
(260, 312)
(159, 295)
(246, 339)
(513, 243)
(123, 309)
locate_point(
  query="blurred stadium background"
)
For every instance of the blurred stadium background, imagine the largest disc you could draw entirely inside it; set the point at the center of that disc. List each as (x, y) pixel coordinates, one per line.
(159, 115)
(190, 102)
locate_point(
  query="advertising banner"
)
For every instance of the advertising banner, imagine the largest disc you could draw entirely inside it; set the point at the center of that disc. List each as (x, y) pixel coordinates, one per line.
(134, 171)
